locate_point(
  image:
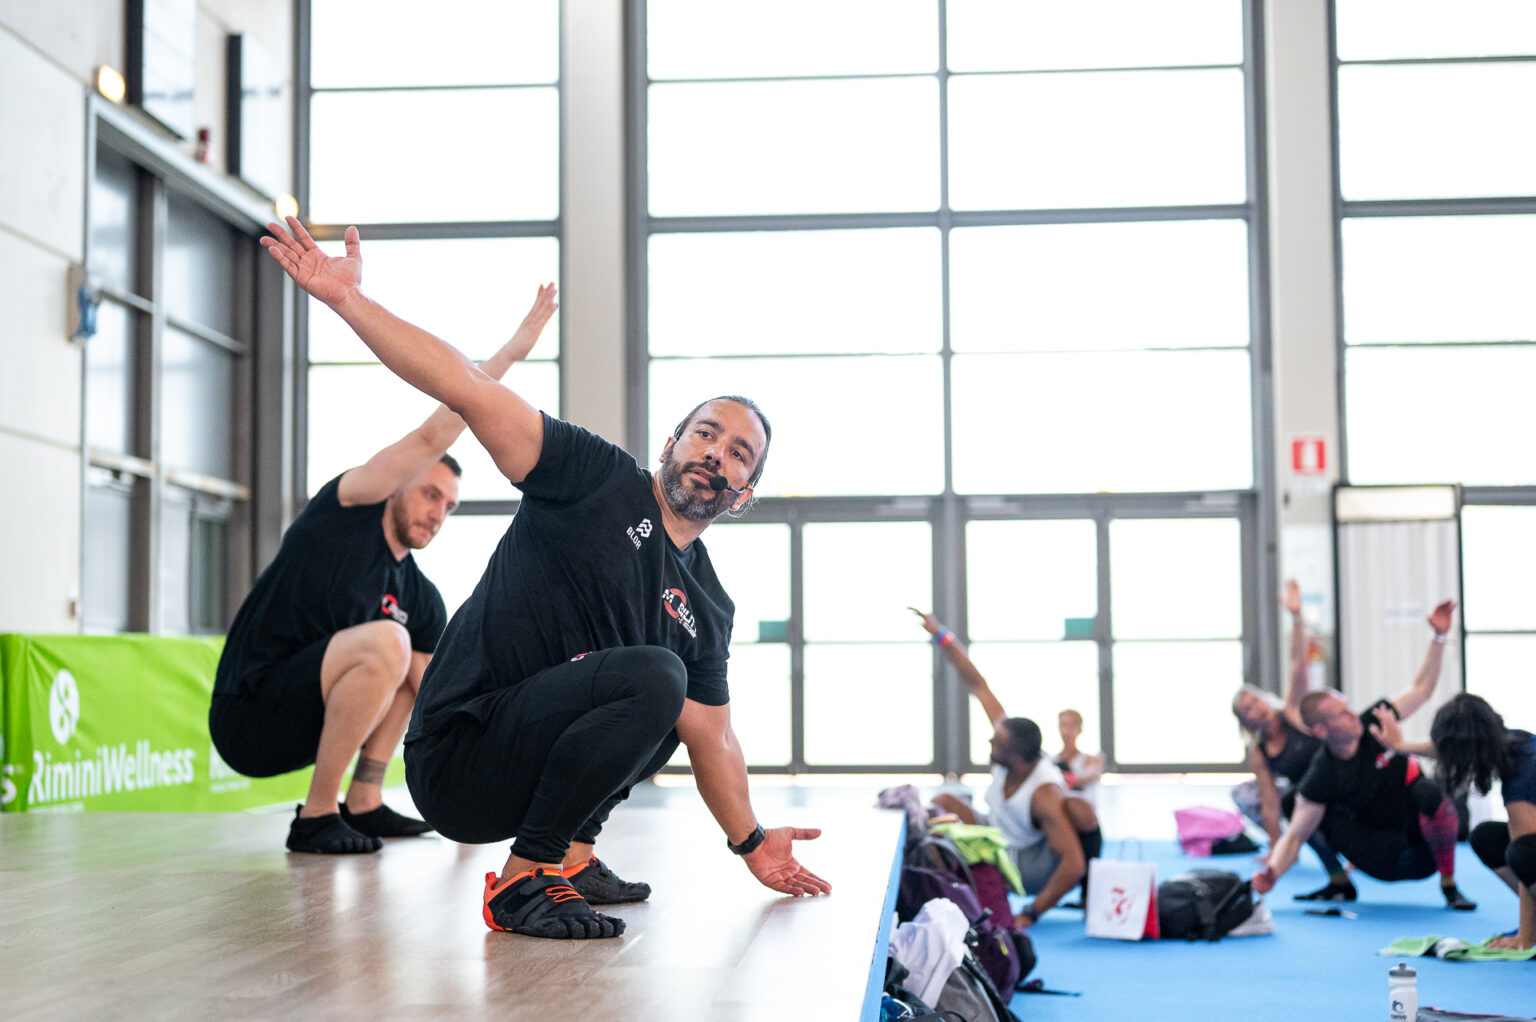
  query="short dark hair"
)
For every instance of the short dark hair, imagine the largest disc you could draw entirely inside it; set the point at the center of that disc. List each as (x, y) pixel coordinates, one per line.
(1023, 738)
(751, 406)
(453, 464)
(1310, 714)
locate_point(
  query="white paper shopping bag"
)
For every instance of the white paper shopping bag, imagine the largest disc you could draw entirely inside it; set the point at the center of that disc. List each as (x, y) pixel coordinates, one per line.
(1122, 899)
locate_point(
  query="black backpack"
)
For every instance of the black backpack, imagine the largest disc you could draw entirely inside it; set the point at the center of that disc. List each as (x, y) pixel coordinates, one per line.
(1203, 904)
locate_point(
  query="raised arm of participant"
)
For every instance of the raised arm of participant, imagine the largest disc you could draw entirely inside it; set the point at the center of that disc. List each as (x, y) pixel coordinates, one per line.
(968, 673)
(1046, 805)
(509, 428)
(720, 770)
(1305, 819)
(1429, 672)
(388, 470)
(1290, 599)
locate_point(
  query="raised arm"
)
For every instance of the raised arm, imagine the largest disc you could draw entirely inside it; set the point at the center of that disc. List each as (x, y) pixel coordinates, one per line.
(1290, 599)
(390, 468)
(1429, 672)
(509, 428)
(720, 770)
(968, 673)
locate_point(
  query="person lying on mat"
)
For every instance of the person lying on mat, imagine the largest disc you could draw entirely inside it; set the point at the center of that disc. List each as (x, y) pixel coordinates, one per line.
(1050, 832)
(1377, 807)
(1280, 749)
(594, 643)
(1473, 747)
(324, 658)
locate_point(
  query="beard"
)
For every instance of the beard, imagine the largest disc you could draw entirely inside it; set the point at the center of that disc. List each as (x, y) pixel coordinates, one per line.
(402, 523)
(689, 501)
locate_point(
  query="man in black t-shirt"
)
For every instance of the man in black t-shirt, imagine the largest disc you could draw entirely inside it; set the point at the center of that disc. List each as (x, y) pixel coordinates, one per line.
(326, 654)
(1383, 813)
(592, 646)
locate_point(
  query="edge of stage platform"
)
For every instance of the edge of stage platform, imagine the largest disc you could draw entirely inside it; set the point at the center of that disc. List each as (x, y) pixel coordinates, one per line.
(881, 951)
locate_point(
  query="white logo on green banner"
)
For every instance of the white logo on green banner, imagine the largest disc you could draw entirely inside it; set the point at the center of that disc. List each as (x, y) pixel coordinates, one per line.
(64, 707)
(7, 786)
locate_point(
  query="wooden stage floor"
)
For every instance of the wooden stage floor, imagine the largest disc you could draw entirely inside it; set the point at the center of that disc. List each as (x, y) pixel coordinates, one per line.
(205, 916)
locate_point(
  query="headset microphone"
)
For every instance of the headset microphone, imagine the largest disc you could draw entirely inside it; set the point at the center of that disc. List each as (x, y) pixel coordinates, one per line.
(718, 483)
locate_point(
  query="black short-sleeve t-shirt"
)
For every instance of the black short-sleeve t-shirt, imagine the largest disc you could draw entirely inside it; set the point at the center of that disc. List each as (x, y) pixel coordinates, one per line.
(1295, 757)
(334, 570)
(1372, 784)
(585, 565)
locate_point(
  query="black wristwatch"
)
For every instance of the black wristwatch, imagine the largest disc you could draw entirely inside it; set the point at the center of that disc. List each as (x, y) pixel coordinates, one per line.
(750, 844)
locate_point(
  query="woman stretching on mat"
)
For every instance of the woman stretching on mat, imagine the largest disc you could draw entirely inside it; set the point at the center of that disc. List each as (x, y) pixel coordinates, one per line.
(1474, 747)
(1051, 833)
(1280, 748)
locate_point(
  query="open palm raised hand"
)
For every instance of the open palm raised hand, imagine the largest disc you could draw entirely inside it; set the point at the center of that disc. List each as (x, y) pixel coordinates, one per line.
(329, 278)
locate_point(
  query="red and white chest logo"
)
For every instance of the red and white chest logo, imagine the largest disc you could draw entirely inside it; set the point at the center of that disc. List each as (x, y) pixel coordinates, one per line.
(392, 607)
(676, 602)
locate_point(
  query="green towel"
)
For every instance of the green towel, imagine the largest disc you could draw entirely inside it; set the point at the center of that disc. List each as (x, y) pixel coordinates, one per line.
(1453, 950)
(983, 844)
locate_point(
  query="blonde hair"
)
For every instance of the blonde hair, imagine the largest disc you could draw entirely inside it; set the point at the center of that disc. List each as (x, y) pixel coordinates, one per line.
(1249, 734)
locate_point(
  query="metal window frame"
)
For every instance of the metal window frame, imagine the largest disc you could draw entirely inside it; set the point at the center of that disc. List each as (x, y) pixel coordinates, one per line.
(162, 168)
(304, 93)
(1399, 208)
(949, 512)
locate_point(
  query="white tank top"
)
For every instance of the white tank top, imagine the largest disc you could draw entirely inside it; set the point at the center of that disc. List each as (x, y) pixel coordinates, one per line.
(1011, 815)
(1088, 793)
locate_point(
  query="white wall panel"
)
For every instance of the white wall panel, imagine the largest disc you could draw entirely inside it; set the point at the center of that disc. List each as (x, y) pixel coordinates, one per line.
(79, 35)
(40, 388)
(40, 523)
(42, 147)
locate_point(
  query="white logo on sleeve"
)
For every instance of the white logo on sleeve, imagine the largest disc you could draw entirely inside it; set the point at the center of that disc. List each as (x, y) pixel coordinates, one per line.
(638, 532)
(63, 707)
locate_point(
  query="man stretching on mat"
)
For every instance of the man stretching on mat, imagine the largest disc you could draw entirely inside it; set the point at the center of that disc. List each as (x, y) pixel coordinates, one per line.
(1051, 832)
(594, 643)
(326, 653)
(1383, 813)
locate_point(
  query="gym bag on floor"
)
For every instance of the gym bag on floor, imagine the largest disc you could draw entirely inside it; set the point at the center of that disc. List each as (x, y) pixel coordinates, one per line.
(1203, 904)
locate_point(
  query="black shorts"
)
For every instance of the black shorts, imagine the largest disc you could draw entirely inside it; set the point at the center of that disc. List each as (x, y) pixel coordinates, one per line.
(273, 726)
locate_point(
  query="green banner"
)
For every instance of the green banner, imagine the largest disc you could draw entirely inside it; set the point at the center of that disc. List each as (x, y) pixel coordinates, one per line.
(118, 723)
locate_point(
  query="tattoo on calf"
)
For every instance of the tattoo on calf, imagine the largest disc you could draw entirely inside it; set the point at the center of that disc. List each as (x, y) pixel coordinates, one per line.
(369, 771)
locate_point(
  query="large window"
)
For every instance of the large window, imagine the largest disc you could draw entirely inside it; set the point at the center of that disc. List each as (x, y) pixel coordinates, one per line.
(169, 391)
(978, 260)
(439, 138)
(1437, 186)
(1438, 233)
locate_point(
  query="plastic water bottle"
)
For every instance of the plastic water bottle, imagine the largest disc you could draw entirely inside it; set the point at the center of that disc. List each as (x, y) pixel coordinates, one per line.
(1402, 994)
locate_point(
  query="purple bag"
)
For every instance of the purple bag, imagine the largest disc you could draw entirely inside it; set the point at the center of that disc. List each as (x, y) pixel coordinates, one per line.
(1202, 826)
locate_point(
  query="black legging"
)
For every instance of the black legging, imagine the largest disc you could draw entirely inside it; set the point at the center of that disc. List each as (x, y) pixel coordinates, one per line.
(549, 758)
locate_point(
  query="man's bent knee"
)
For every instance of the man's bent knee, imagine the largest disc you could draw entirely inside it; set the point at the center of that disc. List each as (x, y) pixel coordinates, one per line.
(1081, 812)
(654, 673)
(381, 649)
(385, 646)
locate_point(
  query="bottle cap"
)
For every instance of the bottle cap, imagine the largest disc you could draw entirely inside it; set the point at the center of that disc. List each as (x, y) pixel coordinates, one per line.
(1402, 971)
